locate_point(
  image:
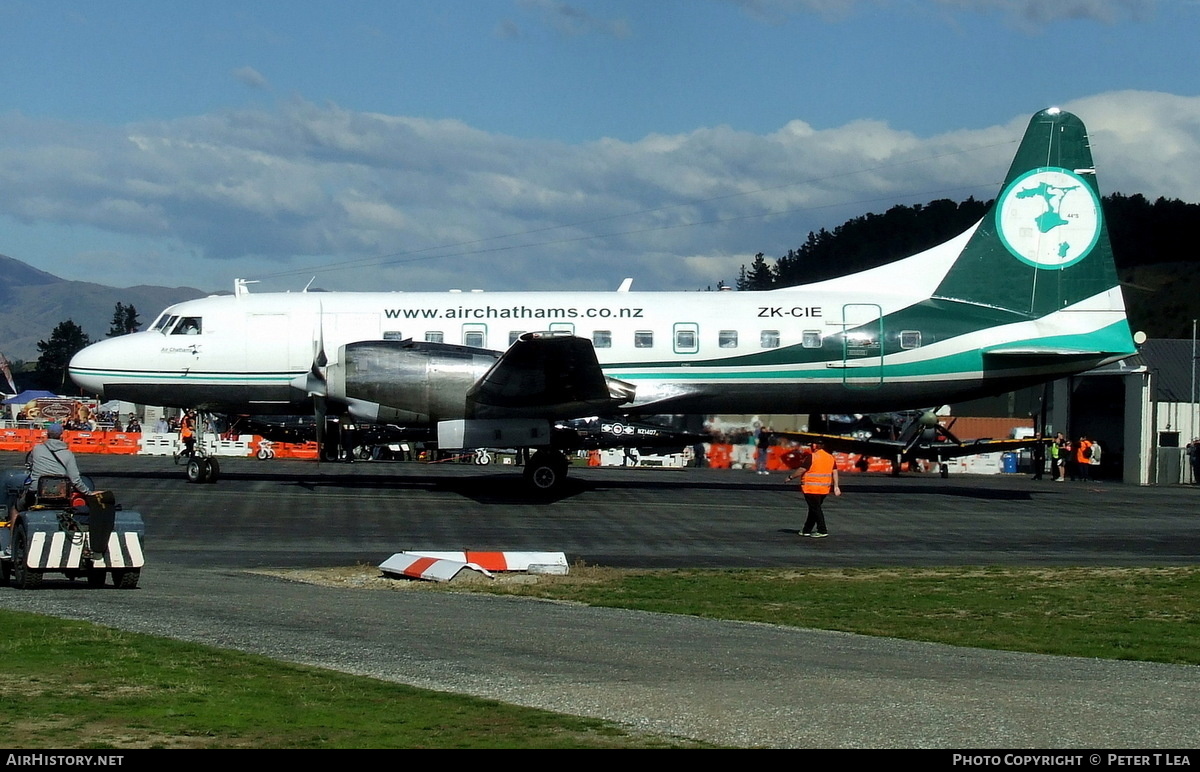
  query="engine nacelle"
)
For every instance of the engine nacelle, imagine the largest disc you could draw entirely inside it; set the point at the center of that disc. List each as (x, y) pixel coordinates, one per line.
(406, 381)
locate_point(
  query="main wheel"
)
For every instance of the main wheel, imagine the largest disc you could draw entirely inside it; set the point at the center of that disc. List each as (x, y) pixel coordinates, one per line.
(197, 470)
(214, 471)
(24, 578)
(126, 578)
(546, 471)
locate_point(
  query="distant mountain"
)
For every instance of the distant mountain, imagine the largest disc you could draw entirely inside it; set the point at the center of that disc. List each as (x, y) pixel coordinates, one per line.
(33, 302)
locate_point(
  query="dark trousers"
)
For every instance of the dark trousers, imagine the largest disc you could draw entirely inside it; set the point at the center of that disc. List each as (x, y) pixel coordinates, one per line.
(816, 517)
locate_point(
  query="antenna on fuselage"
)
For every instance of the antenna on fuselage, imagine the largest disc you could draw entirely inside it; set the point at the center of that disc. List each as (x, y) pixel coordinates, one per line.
(241, 286)
(310, 281)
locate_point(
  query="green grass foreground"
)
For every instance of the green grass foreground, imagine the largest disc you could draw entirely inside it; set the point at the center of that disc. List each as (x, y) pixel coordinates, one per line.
(1150, 614)
(76, 685)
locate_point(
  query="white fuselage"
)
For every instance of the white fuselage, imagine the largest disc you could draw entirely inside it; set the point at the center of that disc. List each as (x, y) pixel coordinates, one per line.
(822, 347)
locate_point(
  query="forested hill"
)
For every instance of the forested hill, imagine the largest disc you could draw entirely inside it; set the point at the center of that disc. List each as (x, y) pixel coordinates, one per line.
(1158, 265)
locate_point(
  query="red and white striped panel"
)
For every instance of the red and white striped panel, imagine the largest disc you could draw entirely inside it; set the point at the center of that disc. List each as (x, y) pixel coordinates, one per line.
(499, 561)
(425, 567)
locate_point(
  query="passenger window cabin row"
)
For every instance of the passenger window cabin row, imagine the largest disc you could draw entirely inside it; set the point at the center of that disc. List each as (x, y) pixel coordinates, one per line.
(686, 336)
(685, 340)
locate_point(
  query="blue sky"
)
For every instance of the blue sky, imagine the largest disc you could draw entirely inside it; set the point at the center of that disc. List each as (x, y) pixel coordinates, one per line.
(543, 144)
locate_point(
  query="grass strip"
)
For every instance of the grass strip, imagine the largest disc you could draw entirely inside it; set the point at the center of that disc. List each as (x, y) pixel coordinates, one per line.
(1150, 614)
(70, 684)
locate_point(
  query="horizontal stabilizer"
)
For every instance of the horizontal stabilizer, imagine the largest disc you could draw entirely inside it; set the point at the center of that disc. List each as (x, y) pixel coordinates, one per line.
(1026, 357)
(1043, 351)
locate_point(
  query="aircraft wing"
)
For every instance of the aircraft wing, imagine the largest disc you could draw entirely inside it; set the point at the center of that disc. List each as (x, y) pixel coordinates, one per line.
(943, 450)
(932, 450)
(547, 375)
(877, 448)
(595, 433)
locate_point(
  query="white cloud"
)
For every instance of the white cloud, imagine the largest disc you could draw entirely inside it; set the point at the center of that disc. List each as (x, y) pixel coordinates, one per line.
(1031, 15)
(570, 19)
(1038, 13)
(251, 77)
(431, 204)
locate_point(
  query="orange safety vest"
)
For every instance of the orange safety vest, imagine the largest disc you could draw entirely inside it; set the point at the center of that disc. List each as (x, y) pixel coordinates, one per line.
(819, 477)
(1080, 458)
(185, 427)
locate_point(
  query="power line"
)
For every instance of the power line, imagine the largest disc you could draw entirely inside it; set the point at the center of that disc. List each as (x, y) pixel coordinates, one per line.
(419, 255)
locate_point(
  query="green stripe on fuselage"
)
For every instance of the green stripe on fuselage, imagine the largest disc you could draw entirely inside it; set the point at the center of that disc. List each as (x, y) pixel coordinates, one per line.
(141, 376)
(1109, 341)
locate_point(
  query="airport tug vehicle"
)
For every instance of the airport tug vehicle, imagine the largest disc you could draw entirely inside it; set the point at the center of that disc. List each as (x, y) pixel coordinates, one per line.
(61, 531)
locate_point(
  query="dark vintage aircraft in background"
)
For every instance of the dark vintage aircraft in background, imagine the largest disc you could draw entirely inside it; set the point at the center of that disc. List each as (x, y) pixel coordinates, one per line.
(906, 438)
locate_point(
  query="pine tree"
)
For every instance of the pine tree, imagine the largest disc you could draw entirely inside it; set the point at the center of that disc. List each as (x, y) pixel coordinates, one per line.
(65, 341)
(759, 277)
(125, 320)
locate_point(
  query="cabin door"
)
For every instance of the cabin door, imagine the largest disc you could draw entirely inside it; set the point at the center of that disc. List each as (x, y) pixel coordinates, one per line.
(862, 345)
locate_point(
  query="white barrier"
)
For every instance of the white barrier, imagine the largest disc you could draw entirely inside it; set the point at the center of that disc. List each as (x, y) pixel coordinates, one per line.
(155, 444)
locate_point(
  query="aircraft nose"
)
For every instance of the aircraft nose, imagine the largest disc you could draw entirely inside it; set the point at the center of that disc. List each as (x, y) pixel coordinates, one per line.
(87, 367)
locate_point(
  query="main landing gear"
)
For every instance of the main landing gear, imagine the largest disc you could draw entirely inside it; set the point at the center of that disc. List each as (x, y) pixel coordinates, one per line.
(546, 471)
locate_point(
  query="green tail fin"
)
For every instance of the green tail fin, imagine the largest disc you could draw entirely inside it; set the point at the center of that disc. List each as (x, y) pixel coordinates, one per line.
(1044, 245)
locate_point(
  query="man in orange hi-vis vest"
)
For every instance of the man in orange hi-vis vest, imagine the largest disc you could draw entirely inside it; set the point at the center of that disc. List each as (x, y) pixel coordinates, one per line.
(187, 433)
(817, 479)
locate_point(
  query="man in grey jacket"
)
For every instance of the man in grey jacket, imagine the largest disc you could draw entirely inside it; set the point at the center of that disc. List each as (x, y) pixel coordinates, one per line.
(54, 458)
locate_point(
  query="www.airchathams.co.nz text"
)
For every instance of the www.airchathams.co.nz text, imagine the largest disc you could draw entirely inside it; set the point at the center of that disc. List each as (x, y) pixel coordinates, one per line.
(525, 312)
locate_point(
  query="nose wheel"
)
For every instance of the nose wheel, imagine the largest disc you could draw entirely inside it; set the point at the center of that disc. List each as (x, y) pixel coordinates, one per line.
(203, 470)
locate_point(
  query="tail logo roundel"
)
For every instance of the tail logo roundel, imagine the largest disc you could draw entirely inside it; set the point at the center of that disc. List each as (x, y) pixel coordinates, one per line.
(1049, 218)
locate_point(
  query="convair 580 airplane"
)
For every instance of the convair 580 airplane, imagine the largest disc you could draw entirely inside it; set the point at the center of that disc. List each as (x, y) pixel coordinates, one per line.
(1028, 294)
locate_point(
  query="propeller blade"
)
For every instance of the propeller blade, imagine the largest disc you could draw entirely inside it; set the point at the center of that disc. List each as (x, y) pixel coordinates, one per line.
(319, 358)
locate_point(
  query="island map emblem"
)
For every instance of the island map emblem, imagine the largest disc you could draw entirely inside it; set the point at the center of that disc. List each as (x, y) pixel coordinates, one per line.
(1049, 218)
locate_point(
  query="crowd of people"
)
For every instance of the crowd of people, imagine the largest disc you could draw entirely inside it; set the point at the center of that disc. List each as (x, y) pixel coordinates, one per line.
(100, 420)
(1077, 460)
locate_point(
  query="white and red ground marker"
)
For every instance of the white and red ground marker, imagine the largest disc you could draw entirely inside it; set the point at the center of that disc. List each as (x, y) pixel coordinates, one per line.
(443, 566)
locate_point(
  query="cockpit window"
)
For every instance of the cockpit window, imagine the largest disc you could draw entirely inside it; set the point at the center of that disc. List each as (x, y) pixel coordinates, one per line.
(188, 325)
(163, 323)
